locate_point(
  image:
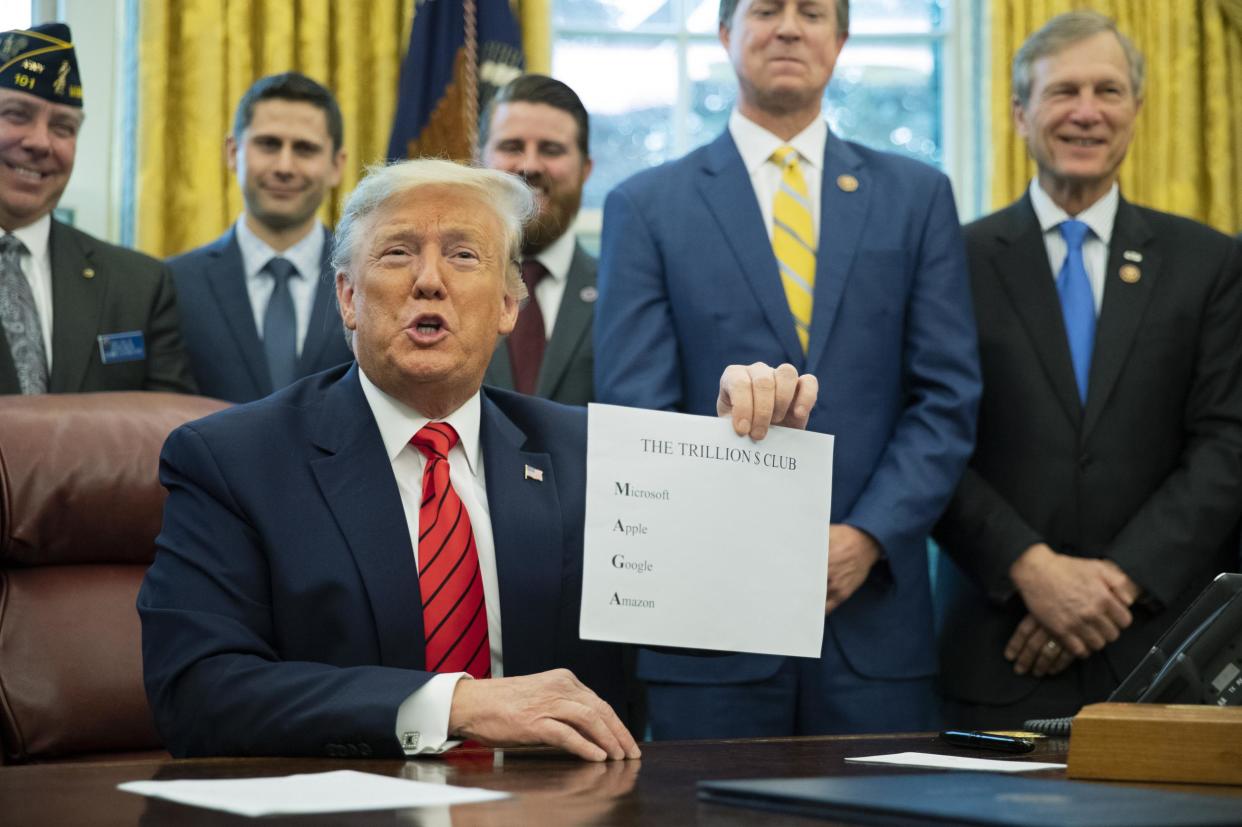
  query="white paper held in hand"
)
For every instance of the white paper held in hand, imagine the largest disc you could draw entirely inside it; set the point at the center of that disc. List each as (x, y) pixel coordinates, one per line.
(696, 537)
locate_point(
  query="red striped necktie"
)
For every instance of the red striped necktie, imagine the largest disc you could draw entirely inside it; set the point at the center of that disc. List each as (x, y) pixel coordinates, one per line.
(449, 579)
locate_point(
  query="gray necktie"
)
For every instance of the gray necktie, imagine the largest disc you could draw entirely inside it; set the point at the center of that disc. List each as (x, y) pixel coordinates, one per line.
(20, 319)
(280, 329)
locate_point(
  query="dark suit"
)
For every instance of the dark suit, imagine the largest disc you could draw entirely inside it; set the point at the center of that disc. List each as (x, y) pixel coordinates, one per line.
(281, 614)
(1148, 475)
(225, 350)
(566, 374)
(689, 284)
(98, 289)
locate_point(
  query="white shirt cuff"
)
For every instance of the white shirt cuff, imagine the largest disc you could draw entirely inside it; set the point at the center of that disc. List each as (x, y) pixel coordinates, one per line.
(422, 718)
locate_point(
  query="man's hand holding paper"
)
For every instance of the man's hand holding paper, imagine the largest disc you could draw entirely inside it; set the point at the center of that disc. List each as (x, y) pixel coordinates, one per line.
(697, 534)
(757, 396)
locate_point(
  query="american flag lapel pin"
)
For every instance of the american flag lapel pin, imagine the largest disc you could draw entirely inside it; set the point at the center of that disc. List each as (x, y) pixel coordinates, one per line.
(533, 473)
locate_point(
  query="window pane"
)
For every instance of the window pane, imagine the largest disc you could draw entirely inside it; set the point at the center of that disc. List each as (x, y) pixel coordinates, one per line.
(704, 16)
(866, 16)
(895, 16)
(621, 15)
(888, 97)
(713, 89)
(14, 15)
(630, 89)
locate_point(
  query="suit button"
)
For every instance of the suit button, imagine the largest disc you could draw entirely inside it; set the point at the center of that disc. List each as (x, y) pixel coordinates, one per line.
(1085, 462)
(364, 750)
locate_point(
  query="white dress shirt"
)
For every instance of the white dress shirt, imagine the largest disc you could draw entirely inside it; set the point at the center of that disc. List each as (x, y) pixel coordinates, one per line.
(306, 255)
(1100, 217)
(756, 145)
(36, 263)
(422, 719)
(556, 258)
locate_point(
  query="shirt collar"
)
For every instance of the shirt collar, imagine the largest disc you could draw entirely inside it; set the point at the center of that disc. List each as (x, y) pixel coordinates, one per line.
(398, 422)
(558, 255)
(35, 237)
(1100, 216)
(306, 254)
(757, 144)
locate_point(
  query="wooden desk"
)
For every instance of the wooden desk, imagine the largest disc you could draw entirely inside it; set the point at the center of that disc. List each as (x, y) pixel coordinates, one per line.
(549, 788)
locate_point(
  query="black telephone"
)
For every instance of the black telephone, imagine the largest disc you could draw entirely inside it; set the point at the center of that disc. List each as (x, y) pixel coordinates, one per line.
(1198, 660)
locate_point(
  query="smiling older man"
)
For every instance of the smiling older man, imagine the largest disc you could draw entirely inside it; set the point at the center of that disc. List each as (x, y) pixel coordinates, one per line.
(76, 314)
(337, 559)
(1104, 492)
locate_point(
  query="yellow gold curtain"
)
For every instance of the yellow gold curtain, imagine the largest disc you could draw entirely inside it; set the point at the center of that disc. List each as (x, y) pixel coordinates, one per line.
(199, 56)
(1187, 152)
(535, 18)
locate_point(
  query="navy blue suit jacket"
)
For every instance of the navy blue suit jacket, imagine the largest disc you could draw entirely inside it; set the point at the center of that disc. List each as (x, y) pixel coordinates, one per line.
(689, 284)
(282, 612)
(217, 322)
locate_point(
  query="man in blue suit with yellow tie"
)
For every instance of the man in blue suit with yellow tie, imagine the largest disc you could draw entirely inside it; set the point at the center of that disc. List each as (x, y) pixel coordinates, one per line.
(780, 241)
(258, 308)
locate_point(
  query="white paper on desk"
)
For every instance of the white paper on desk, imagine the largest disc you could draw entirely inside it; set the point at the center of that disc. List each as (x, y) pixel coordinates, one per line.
(321, 792)
(928, 760)
(696, 537)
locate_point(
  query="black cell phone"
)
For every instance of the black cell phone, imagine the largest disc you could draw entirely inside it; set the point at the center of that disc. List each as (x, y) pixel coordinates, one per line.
(986, 740)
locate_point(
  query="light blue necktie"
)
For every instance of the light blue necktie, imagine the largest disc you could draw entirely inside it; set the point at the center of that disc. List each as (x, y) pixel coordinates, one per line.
(1077, 303)
(280, 334)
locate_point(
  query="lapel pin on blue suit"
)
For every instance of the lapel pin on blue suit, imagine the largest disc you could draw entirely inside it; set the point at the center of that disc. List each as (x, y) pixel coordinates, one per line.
(88, 273)
(588, 294)
(847, 183)
(1130, 273)
(533, 473)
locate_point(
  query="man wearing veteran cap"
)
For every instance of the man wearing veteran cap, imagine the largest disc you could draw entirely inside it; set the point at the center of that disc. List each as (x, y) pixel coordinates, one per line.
(77, 314)
(1104, 491)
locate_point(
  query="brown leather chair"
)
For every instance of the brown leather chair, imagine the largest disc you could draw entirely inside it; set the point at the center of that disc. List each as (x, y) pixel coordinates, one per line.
(80, 505)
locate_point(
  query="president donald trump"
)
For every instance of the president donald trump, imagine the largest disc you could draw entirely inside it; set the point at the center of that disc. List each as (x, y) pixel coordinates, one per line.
(383, 559)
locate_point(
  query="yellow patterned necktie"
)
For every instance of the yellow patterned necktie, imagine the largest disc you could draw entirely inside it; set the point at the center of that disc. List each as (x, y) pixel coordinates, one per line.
(792, 240)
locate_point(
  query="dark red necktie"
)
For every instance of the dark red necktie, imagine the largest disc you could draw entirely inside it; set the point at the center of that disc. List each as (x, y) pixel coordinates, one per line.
(449, 579)
(528, 339)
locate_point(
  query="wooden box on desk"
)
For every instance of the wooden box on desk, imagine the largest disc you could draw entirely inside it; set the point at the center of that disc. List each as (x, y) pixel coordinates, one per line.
(1157, 742)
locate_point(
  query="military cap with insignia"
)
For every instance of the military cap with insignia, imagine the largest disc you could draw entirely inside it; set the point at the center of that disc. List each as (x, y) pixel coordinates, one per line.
(40, 61)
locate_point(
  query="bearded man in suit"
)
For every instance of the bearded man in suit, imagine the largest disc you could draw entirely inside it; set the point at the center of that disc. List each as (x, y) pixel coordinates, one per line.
(537, 127)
